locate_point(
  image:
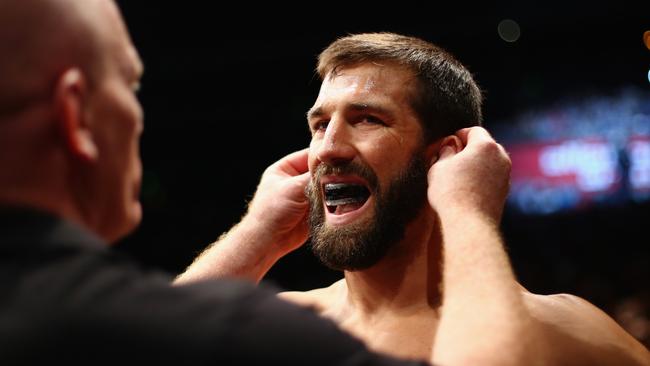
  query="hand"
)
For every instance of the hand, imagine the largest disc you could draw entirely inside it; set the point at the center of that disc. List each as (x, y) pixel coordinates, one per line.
(279, 205)
(471, 174)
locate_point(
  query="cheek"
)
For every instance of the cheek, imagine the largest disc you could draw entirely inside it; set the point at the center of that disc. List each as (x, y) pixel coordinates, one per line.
(385, 159)
(130, 138)
(122, 142)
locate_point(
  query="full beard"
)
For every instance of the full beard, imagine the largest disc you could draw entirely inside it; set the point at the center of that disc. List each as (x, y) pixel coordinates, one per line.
(361, 245)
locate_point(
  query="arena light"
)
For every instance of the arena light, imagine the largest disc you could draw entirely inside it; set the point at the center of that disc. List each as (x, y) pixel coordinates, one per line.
(580, 153)
(509, 30)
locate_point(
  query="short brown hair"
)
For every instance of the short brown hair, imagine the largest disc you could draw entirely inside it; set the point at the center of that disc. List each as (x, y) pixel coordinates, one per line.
(447, 97)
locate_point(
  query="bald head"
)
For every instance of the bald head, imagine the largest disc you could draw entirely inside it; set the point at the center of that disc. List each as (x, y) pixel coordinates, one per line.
(69, 118)
(39, 39)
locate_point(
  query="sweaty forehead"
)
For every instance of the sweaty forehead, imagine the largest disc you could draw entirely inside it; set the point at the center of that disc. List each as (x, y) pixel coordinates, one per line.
(368, 80)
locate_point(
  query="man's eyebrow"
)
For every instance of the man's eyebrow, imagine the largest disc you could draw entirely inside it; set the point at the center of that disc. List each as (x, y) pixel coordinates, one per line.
(357, 107)
(370, 107)
(314, 112)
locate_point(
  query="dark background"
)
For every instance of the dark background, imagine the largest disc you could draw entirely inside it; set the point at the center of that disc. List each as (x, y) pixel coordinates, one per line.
(226, 89)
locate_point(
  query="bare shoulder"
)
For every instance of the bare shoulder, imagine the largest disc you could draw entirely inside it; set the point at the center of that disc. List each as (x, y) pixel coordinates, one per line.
(319, 299)
(582, 333)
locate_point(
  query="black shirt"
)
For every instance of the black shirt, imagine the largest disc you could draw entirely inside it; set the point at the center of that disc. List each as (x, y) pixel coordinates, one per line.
(66, 297)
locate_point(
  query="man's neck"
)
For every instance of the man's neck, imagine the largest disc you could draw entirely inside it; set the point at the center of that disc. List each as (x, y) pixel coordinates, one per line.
(37, 179)
(406, 279)
(41, 201)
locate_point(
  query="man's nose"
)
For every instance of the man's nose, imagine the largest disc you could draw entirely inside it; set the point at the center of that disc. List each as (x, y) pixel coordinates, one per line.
(336, 147)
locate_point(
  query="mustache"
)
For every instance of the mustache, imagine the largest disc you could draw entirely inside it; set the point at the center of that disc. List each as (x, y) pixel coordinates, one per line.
(351, 168)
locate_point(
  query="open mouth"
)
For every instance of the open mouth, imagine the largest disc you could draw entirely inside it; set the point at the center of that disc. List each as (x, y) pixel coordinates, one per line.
(341, 198)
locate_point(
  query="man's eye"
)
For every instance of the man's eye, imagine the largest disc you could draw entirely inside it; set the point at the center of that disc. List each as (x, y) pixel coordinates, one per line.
(374, 120)
(320, 126)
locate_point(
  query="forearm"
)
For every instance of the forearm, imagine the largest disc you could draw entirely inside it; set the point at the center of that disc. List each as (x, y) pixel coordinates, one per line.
(246, 252)
(484, 320)
(274, 225)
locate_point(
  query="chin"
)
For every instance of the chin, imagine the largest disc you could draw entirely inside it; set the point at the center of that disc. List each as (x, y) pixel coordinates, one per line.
(131, 218)
(134, 217)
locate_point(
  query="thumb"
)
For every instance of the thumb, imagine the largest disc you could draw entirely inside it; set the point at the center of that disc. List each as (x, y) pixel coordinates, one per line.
(301, 181)
(302, 178)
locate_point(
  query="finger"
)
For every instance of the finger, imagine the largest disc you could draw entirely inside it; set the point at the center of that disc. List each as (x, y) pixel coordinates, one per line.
(462, 134)
(296, 163)
(450, 145)
(298, 184)
(302, 179)
(474, 134)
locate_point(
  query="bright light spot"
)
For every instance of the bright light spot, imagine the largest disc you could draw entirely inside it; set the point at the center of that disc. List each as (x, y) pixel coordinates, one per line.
(593, 164)
(640, 169)
(509, 30)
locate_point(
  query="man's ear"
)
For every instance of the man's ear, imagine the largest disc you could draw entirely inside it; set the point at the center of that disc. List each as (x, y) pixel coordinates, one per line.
(433, 149)
(71, 93)
(452, 141)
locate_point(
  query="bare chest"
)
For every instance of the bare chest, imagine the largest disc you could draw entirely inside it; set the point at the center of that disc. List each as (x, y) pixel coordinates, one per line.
(410, 337)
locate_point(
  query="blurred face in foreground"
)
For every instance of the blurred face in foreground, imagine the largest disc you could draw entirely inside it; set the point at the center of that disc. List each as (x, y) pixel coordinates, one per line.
(115, 115)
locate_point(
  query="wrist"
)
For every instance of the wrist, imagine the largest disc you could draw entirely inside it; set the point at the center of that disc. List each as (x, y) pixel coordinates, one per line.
(261, 236)
(469, 208)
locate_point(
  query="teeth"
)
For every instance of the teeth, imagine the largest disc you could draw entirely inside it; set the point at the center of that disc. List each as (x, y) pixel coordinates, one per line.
(344, 197)
(335, 191)
(341, 201)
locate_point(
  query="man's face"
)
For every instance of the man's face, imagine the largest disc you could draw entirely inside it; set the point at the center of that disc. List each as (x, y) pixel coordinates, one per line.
(117, 121)
(367, 163)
